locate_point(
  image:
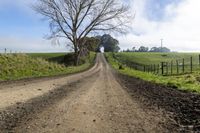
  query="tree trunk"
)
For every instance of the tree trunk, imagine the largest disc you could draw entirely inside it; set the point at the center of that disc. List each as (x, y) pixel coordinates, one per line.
(79, 51)
(76, 55)
(76, 61)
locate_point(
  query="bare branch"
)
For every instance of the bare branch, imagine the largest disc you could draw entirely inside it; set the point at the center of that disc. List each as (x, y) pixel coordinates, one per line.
(75, 19)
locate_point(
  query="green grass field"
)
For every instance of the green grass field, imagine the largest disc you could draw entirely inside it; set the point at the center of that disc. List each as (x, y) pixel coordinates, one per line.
(189, 82)
(148, 58)
(19, 66)
(152, 61)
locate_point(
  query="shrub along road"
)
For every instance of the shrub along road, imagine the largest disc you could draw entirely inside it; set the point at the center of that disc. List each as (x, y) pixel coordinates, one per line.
(92, 101)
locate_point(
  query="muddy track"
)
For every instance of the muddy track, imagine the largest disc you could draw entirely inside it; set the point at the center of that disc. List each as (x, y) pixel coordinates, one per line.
(97, 100)
(184, 106)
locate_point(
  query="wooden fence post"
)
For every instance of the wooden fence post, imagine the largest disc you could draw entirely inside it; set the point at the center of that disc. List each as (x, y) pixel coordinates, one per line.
(167, 68)
(171, 67)
(199, 60)
(162, 67)
(183, 65)
(177, 66)
(191, 63)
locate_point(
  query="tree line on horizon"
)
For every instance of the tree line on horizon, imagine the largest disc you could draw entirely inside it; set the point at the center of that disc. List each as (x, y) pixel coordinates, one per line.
(111, 44)
(147, 49)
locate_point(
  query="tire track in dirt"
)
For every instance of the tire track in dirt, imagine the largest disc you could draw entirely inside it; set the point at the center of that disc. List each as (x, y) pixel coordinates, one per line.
(12, 115)
(95, 103)
(98, 105)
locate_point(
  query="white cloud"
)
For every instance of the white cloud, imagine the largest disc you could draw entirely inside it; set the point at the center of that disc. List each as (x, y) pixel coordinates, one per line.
(180, 30)
(181, 33)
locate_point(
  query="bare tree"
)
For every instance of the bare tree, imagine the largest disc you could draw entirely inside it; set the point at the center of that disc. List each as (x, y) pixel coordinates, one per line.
(75, 19)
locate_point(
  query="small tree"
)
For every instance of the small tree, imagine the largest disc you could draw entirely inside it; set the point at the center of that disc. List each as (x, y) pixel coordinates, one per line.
(109, 43)
(143, 49)
(75, 19)
(133, 49)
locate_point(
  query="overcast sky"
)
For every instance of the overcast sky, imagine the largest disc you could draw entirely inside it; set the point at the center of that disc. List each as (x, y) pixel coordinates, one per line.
(175, 21)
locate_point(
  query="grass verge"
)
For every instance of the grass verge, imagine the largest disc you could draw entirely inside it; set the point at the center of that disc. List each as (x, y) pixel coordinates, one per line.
(188, 82)
(20, 66)
(46, 56)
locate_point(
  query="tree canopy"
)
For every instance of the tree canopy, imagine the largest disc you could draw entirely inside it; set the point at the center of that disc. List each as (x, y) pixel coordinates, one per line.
(143, 49)
(74, 20)
(109, 43)
(91, 43)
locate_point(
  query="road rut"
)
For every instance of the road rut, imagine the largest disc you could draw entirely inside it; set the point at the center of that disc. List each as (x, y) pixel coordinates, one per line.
(96, 104)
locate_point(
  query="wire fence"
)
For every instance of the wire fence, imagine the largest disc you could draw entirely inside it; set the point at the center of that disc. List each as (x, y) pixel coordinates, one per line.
(8, 51)
(166, 68)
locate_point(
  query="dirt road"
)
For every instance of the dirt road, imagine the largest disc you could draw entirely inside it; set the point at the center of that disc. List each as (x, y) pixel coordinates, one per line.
(89, 102)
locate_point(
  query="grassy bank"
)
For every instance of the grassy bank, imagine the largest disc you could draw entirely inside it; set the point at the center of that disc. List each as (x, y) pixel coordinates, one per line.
(188, 82)
(46, 56)
(19, 66)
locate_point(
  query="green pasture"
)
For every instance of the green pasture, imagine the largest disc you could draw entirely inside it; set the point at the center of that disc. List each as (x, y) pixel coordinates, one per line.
(189, 82)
